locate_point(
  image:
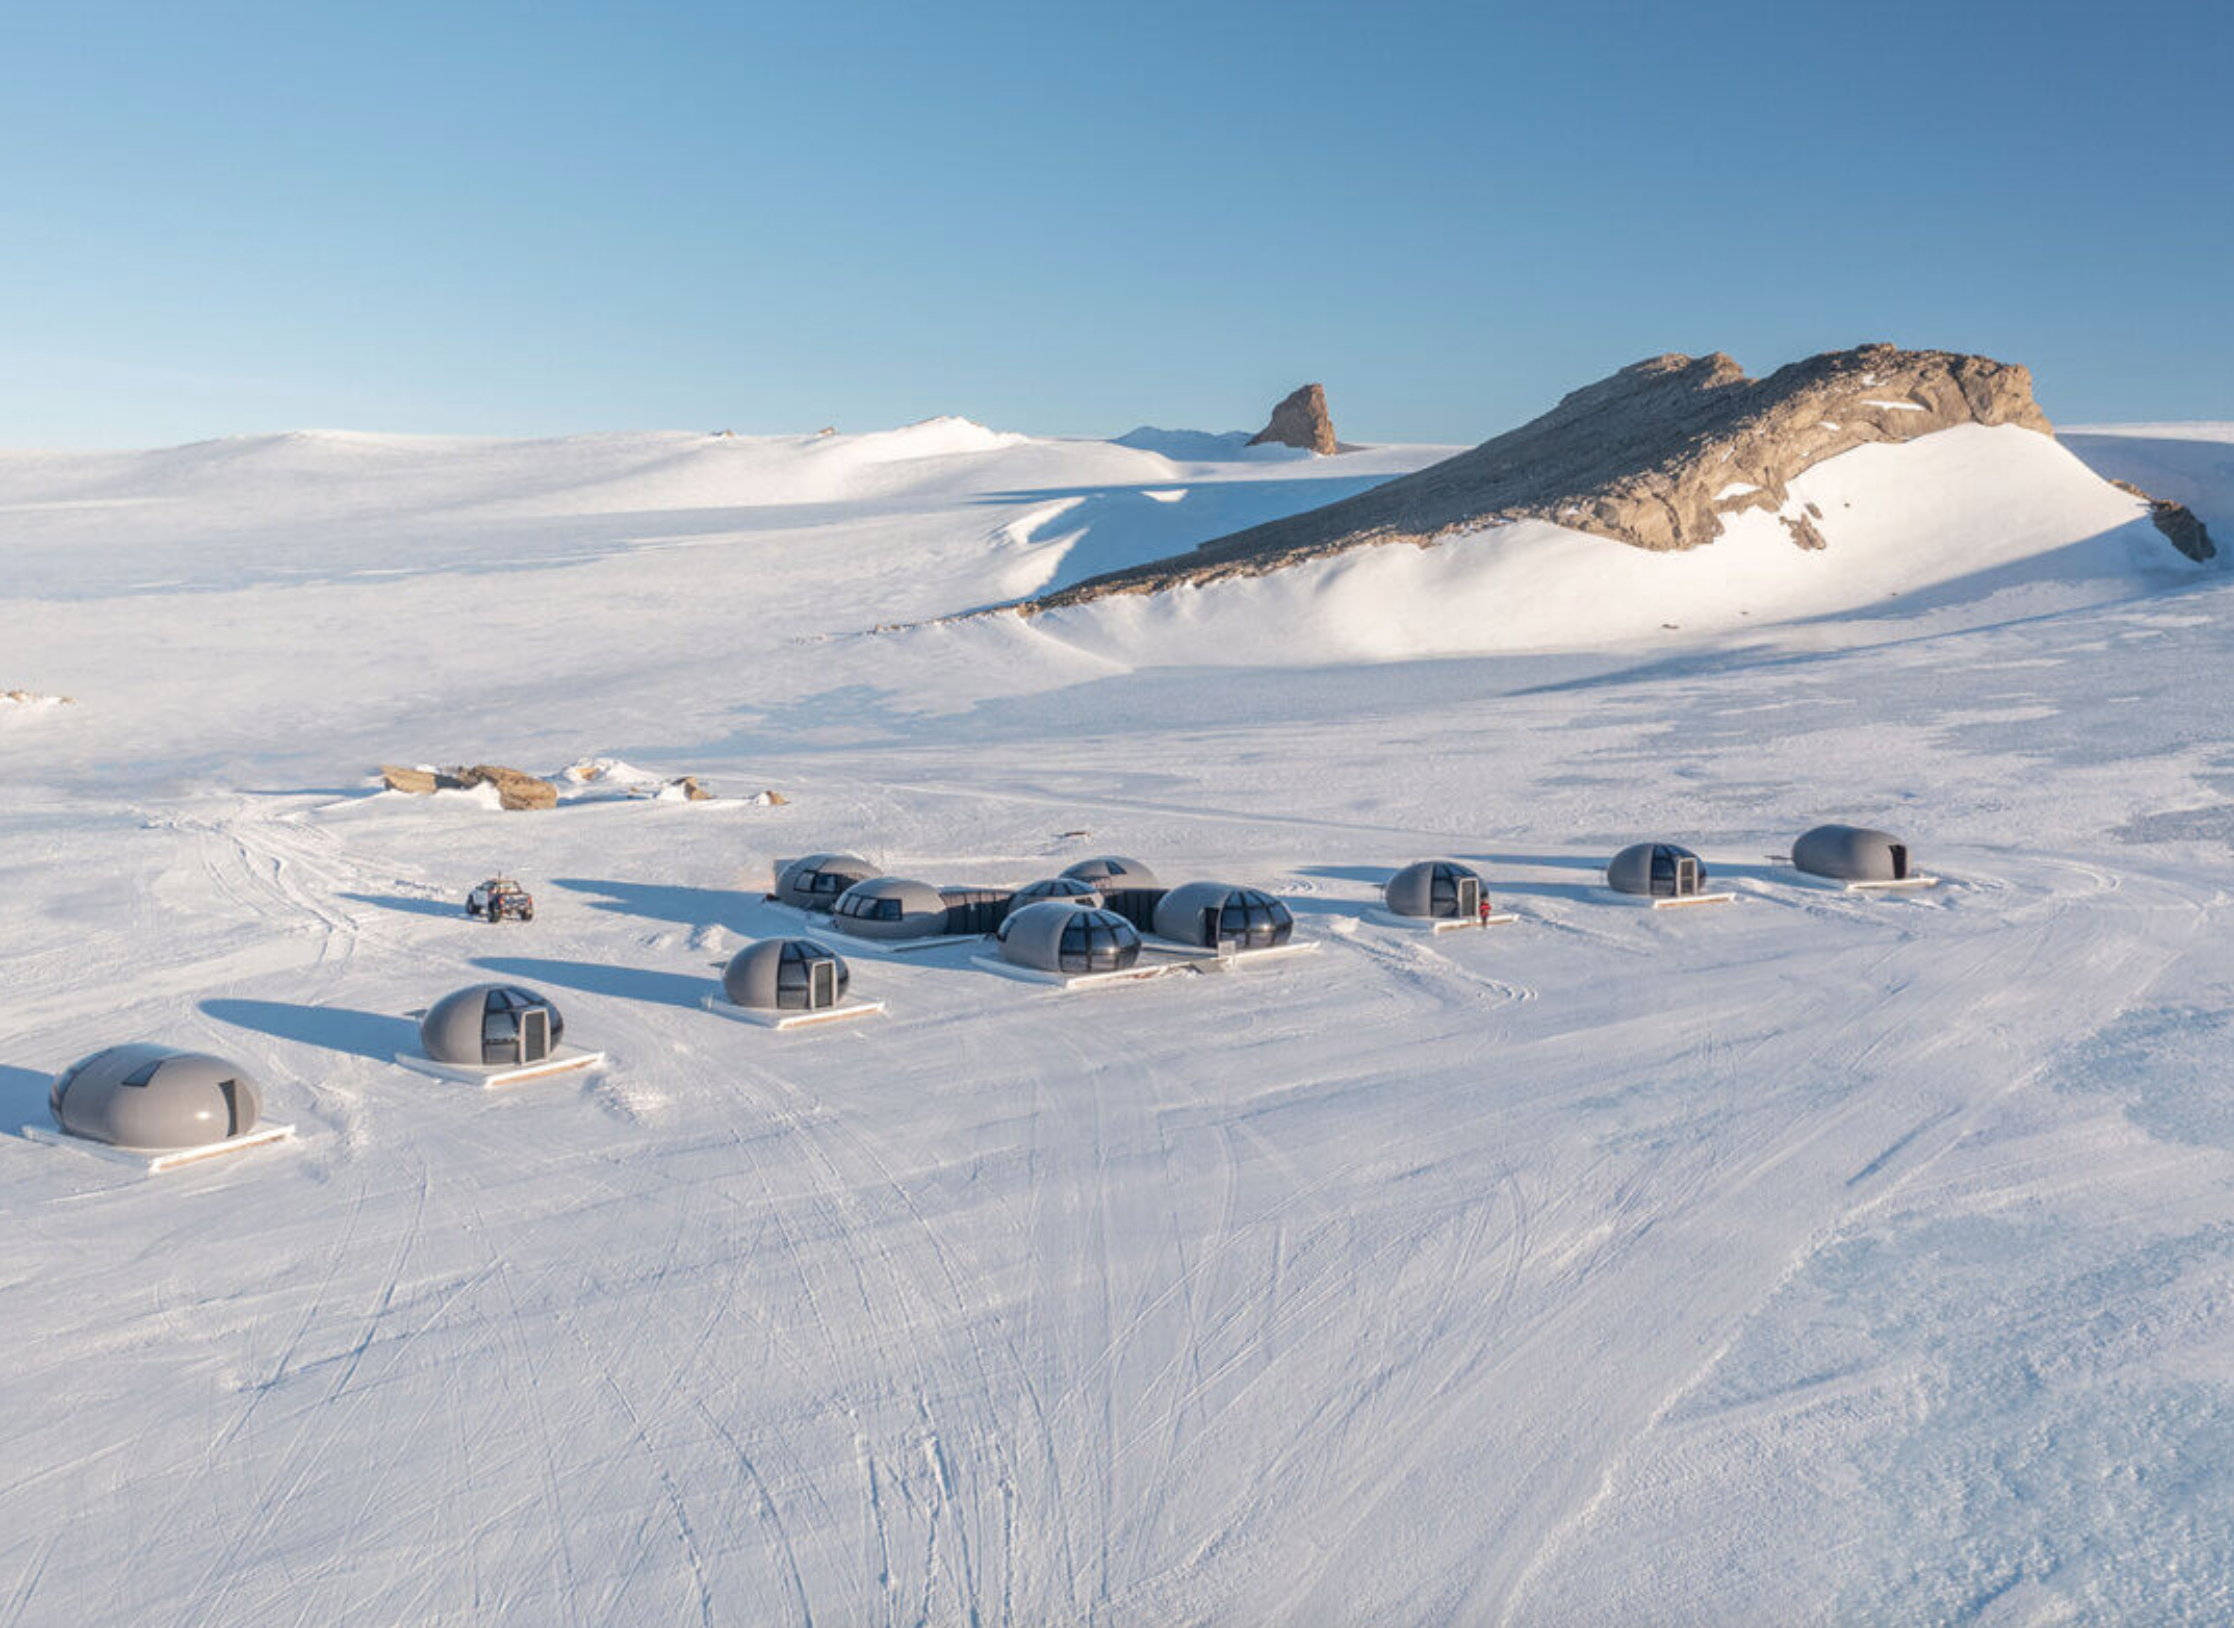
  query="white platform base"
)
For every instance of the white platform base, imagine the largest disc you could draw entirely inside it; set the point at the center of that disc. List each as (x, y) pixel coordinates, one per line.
(839, 1013)
(1294, 946)
(154, 1162)
(1905, 884)
(1694, 898)
(1133, 974)
(901, 946)
(1150, 944)
(1439, 924)
(1202, 956)
(566, 1060)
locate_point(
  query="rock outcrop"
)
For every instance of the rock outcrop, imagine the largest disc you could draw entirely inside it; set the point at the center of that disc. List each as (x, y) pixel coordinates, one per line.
(515, 788)
(1654, 456)
(417, 782)
(2183, 528)
(1300, 421)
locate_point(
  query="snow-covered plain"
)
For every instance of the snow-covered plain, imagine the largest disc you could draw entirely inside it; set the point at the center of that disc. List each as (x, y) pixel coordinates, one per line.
(1820, 1258)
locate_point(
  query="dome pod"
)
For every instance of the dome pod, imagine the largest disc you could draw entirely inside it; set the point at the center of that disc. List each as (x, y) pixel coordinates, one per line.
(1657, 870)
(1213, 913)
(889, 907)
(491, 1026)
(1440, 889)
(816, 882)
(152, 1098)
(786, 975)
(1054, 935)
(1852, 853)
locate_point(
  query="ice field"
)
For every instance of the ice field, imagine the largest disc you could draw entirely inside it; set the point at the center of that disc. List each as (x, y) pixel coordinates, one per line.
(1818, 1258)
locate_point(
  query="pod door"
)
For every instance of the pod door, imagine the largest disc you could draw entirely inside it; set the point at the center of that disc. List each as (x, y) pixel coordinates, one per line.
(535, 1034)
(1686, 876)
(822, 984)
(1900, 861)
(1469, 898)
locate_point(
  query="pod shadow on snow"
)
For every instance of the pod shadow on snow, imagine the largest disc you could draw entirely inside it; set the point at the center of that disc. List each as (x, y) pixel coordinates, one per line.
(1490, 864)
(1588, 892)
(410, 904)
(23, 1098)
(740, 909)
(377, 1035)
(1378, 875)
(599, 978)
(1306, 904)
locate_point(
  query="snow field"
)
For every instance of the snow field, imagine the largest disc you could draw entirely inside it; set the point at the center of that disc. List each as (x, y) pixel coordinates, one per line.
(1825, 1258)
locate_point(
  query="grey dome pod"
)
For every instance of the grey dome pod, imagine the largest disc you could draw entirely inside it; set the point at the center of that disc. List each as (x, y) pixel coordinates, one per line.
(1114, 873)
(1852, 853)
(1056, 935)
(147, 1096)
(815, 882)
(1658, 870)
(491, 1026)
(785, 975)
(890, 907)
(1214, 913)
(1439, 888)
(1070, 889)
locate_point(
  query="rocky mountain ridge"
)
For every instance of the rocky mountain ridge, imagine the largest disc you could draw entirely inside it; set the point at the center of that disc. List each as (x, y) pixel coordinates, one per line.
(1657, 455)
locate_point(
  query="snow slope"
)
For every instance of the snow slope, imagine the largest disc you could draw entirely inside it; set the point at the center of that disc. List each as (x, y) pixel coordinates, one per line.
(1995, 521)
(1819, 1258)
(2181, 463)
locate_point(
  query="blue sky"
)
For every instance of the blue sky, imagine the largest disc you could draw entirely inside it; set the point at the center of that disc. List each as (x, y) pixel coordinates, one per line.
(520, 219)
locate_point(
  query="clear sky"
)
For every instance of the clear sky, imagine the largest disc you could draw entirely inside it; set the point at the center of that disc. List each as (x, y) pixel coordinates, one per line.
(1074, 218)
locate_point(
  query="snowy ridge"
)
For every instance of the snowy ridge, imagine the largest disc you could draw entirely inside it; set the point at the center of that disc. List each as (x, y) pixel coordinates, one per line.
(1970, 521)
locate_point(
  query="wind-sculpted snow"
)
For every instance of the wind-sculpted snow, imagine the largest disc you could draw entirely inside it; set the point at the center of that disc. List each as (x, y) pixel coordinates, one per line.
(1816, 1258)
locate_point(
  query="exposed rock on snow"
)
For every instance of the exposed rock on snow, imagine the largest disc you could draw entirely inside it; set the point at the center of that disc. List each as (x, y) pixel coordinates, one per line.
(1300, 421)
(1655, 456)
(28, 700)
(2181, 526)
(514, 787)
(417, 782)
(587, 780)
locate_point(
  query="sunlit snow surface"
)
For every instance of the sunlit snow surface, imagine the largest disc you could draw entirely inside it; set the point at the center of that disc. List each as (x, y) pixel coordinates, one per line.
(1821, 1258)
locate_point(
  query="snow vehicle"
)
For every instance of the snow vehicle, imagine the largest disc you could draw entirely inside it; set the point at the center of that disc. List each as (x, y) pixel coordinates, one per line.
(500, 899)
